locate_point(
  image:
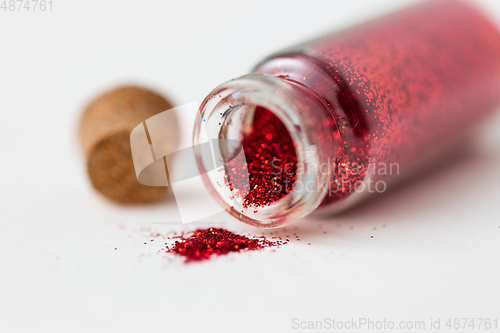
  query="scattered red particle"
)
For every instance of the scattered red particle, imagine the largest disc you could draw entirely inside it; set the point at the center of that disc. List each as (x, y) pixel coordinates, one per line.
(271, 162)
(115, 248)
(202, 244)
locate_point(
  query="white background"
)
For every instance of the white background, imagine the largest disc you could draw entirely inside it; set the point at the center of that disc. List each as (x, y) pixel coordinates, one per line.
(437, 257)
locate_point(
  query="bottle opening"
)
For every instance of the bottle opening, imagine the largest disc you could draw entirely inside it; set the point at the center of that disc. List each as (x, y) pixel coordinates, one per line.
(267, 150)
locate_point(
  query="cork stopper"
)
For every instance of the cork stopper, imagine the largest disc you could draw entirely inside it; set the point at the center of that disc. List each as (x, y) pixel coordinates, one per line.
(104, 134)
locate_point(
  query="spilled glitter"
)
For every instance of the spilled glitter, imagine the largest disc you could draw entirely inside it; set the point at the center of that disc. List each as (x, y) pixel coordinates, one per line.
(204, 243)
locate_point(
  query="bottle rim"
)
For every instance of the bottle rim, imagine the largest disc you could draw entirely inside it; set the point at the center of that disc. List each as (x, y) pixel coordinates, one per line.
(288, 102)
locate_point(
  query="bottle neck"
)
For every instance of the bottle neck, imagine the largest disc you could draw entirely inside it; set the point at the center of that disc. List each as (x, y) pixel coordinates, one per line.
(229, 116)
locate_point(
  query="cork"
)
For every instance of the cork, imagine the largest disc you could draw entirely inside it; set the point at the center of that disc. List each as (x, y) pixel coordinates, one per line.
(104, 134)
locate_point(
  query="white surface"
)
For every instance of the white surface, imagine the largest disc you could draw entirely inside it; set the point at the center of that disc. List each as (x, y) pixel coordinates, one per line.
(437, 257)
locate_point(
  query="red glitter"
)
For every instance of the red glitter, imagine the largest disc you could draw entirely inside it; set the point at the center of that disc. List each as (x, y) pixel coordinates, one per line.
(202, 244)
(271, 162)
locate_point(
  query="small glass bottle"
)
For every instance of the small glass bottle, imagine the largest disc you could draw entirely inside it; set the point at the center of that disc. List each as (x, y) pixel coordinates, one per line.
(361, 108)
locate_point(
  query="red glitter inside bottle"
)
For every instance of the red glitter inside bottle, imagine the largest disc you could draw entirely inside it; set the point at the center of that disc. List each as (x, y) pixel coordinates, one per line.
(270, 161)
(354, 109)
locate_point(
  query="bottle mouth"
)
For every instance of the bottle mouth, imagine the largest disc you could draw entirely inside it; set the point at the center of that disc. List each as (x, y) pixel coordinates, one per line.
(239, 119)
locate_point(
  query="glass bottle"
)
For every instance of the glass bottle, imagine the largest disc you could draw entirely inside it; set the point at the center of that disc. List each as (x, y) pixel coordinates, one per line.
(362, 107)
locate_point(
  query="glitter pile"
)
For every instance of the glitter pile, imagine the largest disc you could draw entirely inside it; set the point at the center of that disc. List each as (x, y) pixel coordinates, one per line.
(271, 162)
(205, 243)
